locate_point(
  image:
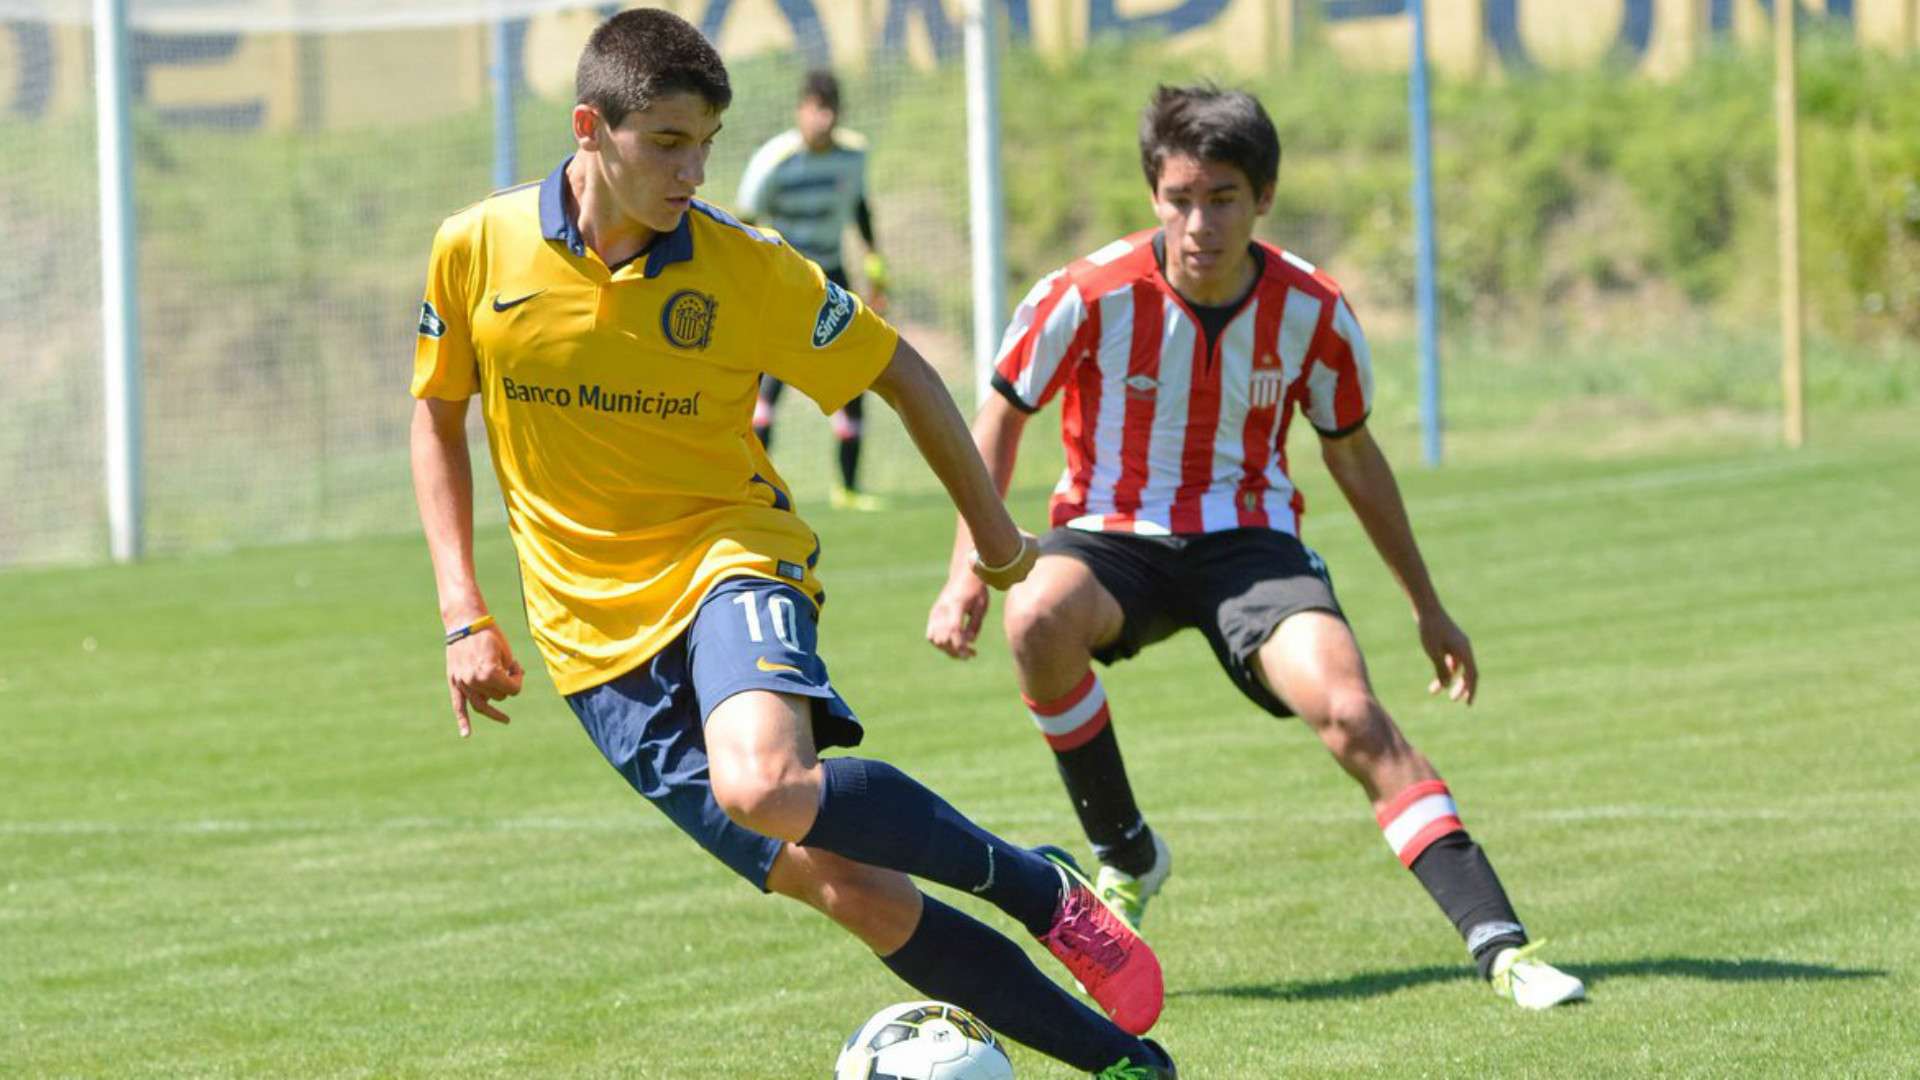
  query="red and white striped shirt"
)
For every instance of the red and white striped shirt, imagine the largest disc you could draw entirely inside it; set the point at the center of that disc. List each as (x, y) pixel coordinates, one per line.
(1163, 434)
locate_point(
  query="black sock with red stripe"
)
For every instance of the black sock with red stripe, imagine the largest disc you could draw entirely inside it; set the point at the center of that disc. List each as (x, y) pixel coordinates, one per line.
(1423, 827)
(1079, 729)
(1458, 876)
(1096, 780)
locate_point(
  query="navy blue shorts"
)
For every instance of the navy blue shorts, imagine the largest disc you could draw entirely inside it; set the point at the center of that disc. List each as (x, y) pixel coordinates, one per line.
(748, 634)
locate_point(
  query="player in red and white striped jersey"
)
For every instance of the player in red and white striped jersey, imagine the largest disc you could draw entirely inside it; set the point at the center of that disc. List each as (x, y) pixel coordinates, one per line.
(1176, 410)
(1180, 356)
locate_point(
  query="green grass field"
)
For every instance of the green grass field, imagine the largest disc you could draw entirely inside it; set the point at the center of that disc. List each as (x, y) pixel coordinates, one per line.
(239, 837)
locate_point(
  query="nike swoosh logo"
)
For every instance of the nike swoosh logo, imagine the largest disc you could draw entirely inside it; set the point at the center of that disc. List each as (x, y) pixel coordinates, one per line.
(499, 305)
(987, 884)
(765, 664)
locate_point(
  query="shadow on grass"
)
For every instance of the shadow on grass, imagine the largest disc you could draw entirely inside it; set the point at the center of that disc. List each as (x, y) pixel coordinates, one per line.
(1368, 984)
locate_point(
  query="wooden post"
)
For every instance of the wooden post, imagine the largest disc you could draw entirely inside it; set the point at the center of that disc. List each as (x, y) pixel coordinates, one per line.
(1786, 110)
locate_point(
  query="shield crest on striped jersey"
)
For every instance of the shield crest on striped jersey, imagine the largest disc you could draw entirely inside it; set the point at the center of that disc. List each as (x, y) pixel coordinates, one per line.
(1265, 388)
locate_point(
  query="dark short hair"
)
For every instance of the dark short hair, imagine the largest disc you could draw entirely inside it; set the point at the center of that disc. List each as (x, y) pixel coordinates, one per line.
(1205, 122)
(821, 86)
(637, 57)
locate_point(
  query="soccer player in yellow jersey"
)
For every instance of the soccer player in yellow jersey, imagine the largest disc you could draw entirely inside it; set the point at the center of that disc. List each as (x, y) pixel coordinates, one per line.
(615, 328)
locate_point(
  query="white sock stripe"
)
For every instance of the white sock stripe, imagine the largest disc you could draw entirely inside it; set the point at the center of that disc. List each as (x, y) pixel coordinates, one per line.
(1420, 814)
(1076, 716)
(1487, 931)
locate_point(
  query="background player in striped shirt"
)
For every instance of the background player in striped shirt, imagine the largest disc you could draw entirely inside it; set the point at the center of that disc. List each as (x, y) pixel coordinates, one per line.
(809, 183)
(614, 328)
(1181, 355)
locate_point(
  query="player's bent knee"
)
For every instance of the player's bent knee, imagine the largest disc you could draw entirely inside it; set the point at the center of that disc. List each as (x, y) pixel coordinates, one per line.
(1040, 622)
(739, 799)
(770, 801)
(1357, 730)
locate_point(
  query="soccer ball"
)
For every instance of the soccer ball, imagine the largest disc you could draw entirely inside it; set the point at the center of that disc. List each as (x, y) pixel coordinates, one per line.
(922, 1040)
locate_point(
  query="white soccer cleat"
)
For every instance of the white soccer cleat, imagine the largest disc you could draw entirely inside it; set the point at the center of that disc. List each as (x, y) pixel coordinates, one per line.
(1128, 895)
(1531, 983)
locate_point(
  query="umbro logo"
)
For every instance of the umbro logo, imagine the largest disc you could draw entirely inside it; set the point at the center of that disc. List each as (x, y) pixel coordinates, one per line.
(502, 305)
(1142, 384)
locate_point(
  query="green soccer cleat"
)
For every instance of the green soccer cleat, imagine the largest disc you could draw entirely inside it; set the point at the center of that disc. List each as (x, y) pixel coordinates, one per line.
(1128, 895)
(1161, 1068)
(1531, 983)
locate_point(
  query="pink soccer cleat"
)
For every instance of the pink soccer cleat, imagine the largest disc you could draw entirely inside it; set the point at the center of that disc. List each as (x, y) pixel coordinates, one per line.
(1114, 966)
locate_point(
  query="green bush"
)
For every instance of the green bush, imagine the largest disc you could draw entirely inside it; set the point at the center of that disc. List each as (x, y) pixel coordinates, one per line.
(1549, 186)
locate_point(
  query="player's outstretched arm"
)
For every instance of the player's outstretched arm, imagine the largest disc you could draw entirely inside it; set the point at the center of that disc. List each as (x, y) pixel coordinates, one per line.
(960, 610)
(914, 390)
(1365, 478)
(480, 664)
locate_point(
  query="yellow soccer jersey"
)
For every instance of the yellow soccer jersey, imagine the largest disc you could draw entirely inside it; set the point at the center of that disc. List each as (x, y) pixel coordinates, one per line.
(619, 405)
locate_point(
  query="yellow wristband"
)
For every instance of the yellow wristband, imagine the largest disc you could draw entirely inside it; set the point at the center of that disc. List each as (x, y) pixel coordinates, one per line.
(876, 268)
(1004, 577)
(1018, 554)
(464, 632)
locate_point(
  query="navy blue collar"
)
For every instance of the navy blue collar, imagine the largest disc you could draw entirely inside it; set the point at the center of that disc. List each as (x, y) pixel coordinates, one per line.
(557, 224)
(674, 247)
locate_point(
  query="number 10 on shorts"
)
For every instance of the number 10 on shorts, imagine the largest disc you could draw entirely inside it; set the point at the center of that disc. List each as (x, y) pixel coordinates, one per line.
(780, 613)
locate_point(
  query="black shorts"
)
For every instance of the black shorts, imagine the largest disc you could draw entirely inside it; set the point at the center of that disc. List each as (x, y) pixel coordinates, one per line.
(1234, 586)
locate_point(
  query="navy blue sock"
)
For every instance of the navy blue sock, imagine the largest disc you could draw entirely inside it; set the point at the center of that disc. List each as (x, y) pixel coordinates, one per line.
(954, 957)
(873, 813)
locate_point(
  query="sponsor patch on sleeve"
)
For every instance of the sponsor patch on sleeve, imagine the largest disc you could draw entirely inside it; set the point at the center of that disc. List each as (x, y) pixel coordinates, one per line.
(836, 314)
(431, 324)
(791, 571)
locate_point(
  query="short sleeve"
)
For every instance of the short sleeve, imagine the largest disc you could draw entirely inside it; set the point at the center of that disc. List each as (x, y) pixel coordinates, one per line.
(818, 336)
(443, 359)
(1340, 382)
(1047, 331)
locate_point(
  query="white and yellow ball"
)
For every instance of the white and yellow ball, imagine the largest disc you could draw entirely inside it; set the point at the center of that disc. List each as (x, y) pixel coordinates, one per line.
(923, 1040)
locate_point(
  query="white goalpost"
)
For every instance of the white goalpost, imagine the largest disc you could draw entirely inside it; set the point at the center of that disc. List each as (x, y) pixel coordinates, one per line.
(986, 199)
(217, 217)
(119, 281)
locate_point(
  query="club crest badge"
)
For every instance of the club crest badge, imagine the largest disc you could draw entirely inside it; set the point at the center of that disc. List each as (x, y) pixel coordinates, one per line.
(431, 324)
(1265, 389)
(1268, 380)
(687, 319)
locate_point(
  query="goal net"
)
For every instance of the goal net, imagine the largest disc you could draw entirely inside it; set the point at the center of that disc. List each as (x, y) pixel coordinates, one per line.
(291, 160)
